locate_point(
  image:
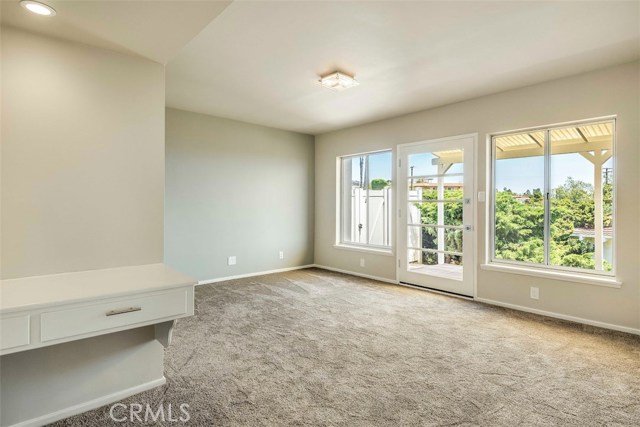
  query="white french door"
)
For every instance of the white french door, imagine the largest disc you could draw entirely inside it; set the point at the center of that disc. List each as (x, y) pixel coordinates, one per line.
(436, 214)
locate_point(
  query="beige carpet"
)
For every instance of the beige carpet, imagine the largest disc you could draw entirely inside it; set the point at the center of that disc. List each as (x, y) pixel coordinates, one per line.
(318, 348)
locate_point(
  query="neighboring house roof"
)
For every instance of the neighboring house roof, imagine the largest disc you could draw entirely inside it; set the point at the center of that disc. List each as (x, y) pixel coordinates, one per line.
(590, 232)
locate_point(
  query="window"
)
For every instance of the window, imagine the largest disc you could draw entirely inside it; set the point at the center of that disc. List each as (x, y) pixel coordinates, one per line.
(553, 197)
(365, 195)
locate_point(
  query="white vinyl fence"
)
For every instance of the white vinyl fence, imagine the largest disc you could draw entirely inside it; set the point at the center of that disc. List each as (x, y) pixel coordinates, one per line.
(371, 220)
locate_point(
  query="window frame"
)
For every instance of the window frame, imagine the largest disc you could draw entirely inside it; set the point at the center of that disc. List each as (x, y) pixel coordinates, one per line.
(341, 217)
(546, 266)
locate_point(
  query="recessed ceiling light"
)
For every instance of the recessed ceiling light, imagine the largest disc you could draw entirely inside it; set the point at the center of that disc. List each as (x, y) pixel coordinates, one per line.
(38, 8)
(338, 81)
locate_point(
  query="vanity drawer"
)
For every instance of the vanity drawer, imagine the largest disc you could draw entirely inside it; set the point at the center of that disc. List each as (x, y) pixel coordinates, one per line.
(14, 331)
(116, 314)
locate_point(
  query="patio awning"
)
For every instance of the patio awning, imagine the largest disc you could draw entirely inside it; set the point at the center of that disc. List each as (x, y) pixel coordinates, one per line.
(576, 139)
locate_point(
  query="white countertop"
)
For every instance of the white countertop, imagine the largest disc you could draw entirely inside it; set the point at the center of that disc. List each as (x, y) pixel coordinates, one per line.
(39, 291)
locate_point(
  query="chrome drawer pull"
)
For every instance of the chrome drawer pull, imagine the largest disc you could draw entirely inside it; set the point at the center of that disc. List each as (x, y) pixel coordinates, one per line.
(123, 311)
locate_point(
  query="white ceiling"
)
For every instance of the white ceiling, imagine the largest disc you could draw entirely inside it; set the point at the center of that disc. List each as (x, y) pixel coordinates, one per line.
(259, 61)
(154, 29)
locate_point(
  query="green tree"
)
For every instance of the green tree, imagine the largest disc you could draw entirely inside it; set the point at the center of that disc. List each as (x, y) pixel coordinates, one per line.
(574, 198)
(519, 227)
(379, 184)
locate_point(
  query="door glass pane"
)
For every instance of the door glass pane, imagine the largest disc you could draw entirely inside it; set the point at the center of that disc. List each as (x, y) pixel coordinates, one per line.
(453, 240)
(426, 188)
(428, 213)
(435, 238)
(436, 163)
(422, 164)
(519, 202)
(581, 183)
(435, 264)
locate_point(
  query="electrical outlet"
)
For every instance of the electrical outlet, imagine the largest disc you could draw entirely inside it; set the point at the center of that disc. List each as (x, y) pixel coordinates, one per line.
(361, 262)
(281, 254)
(231, 260)
(534, 293)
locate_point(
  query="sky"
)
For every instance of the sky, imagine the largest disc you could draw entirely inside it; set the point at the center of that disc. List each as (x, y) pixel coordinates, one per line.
(522, 174)
(379, 166)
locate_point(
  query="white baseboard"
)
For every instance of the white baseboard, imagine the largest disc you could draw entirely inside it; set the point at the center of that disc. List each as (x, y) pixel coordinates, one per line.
(561, 316)
(395, 282)
(88, 406)
(501, 304)
(353, 273)
(259, 273)
(435, 291)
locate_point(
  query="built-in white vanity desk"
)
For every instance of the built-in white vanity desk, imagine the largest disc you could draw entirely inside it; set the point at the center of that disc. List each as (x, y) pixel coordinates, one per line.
(76, 341)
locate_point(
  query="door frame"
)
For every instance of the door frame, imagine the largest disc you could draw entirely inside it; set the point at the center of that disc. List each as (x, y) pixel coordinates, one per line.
(474, 202)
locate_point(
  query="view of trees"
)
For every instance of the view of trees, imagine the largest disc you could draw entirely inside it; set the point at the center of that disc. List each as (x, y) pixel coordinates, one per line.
(519, 228)
(520, 224)
(379, 184)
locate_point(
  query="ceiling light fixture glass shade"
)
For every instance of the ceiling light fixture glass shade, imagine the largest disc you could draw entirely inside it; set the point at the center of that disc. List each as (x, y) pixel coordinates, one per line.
(38, 8)
(338, 81)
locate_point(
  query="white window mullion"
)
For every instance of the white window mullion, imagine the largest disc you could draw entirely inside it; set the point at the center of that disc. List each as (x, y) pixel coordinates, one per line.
(493, 198)
(366, 183)
(547, 198)
(343, 220)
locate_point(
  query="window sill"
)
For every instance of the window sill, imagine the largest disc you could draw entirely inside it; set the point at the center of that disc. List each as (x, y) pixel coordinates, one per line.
(376, 251)
(590, 279)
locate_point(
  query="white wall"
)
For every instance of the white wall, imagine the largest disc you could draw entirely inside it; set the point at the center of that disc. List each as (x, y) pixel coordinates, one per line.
(236, 189)
(610, 91)
(82, 157)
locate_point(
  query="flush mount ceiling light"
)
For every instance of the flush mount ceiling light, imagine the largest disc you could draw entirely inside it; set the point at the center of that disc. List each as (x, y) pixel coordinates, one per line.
(38, 8)
(338, 81)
